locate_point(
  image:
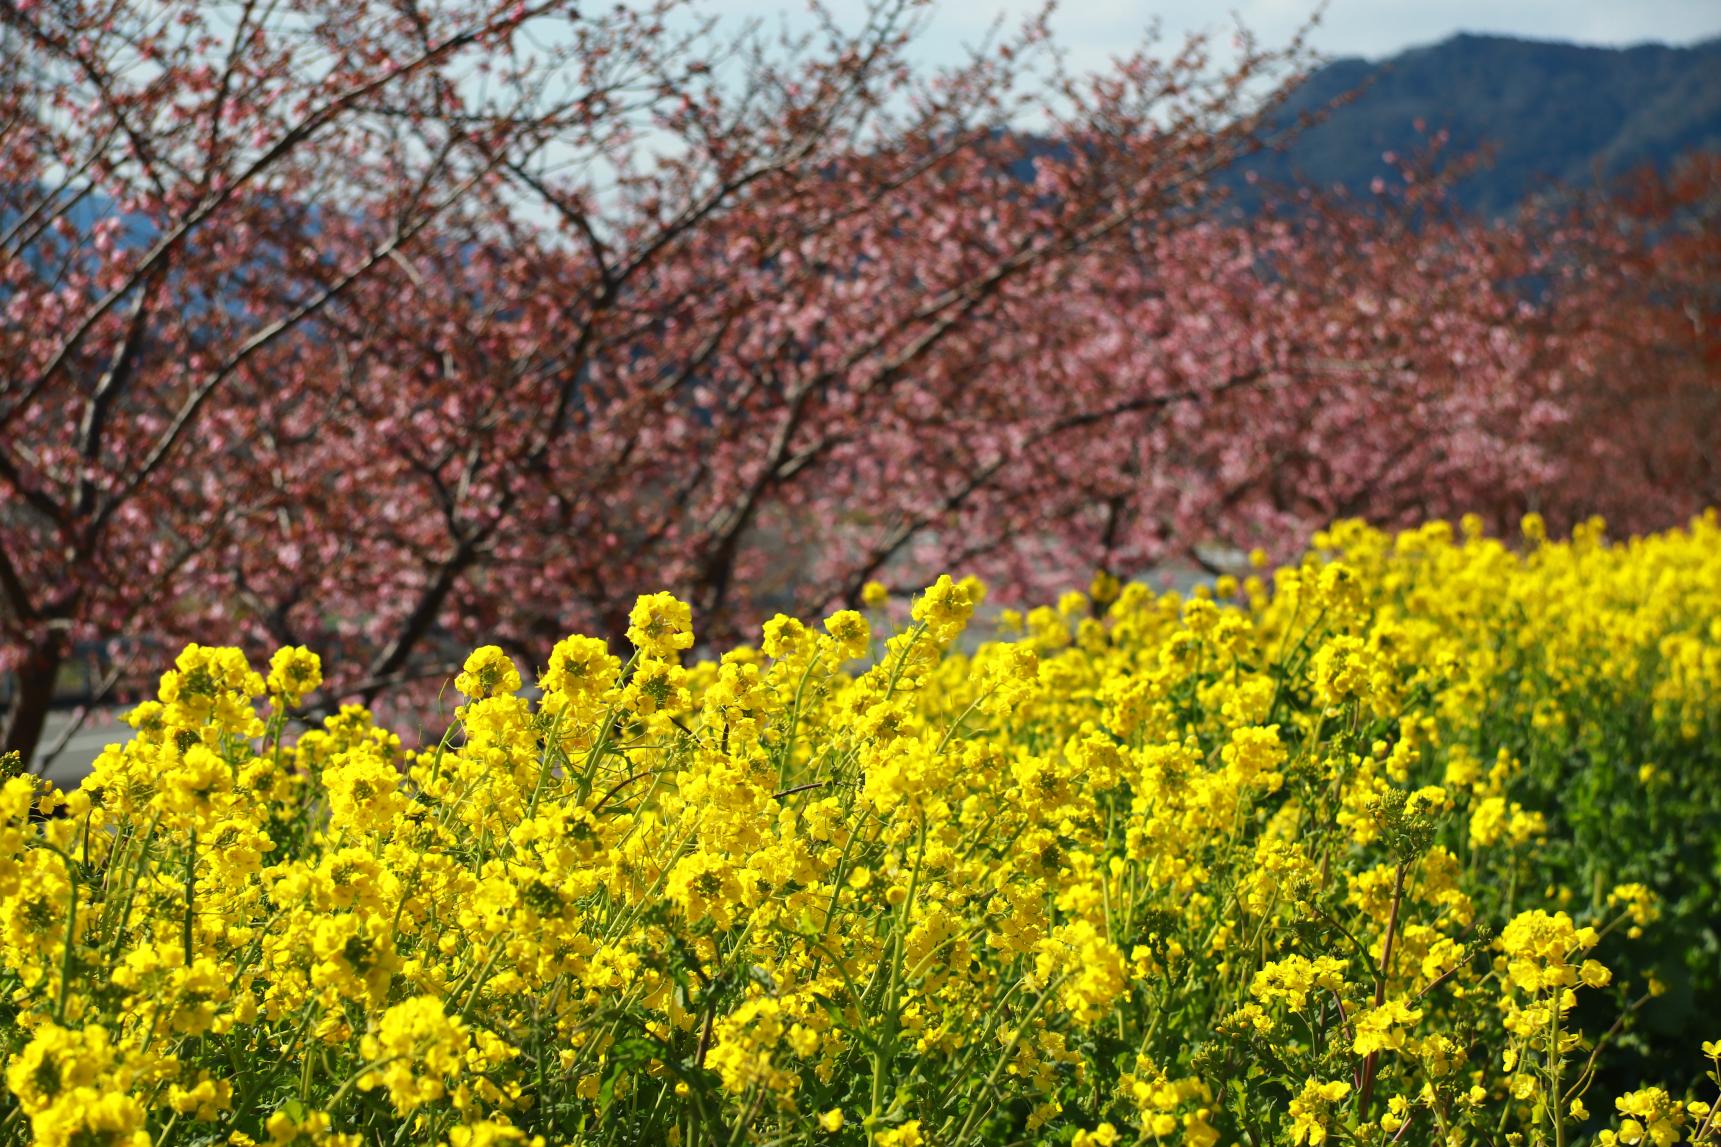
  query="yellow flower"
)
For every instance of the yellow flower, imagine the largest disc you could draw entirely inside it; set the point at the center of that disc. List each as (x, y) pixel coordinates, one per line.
(293, 672)
(782, 861)
(908, 1135)
(747, 1042)
(1253, 757)
(945, 608)
(850, 632)
(364, 791)
(1638, 903)
(194, 791)
(1094, 973)
(580, 667)
(72, 1086)
(489, 1133)
(204, 1101)
(1105, 587)
(417, 1048)
(1295, 977)
(1654, 1117)
(657, 687)
(488, 672)
(1105, 1135)
(784, 637)
(1384, 1028)
(1539, 947)
(1342, 672)
(660, 625)
(214, 687)
(1311, 1110)
(300, 1128)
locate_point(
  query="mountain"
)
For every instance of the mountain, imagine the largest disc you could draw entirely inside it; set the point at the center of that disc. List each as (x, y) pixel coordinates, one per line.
(1551, 110)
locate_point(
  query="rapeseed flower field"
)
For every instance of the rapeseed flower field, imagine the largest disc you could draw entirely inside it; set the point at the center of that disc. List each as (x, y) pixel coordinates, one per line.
(1407, 843)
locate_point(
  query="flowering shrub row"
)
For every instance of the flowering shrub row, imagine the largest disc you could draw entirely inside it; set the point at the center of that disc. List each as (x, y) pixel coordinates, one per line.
(1406, 846)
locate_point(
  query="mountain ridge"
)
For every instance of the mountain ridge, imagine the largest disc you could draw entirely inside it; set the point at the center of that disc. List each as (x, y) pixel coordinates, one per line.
(1552, 111)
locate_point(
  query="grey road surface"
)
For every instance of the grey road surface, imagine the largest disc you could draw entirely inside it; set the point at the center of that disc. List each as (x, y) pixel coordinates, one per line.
(72, 764)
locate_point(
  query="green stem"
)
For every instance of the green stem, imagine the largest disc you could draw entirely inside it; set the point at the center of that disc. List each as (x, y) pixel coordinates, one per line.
(1371, 1063)
(190, 897)
(71, 931)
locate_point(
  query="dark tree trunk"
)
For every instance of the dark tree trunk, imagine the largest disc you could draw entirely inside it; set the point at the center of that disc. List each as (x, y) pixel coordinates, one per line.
(21, 723)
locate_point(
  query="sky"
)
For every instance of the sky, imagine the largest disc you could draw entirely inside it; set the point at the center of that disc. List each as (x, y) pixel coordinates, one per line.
(1094, 30)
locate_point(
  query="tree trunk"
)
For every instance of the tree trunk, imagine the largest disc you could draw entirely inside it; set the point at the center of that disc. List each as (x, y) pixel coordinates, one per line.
(21, 723)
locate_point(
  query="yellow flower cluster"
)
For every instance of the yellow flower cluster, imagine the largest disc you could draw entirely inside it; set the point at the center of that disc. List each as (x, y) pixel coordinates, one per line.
(1341, 855)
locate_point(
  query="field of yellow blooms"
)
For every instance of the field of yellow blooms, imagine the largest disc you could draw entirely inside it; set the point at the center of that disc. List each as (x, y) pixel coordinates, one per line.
(1414, 842)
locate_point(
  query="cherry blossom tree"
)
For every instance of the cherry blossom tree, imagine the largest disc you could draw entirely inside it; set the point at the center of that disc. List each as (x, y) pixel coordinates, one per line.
(1643, 438)
(190, 191)
(389, 327)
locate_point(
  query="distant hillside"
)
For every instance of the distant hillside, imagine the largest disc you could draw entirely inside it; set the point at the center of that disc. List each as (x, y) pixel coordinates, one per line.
(1553, 111)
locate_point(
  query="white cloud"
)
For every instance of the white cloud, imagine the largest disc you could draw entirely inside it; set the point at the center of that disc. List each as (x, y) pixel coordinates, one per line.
(1094, 30)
